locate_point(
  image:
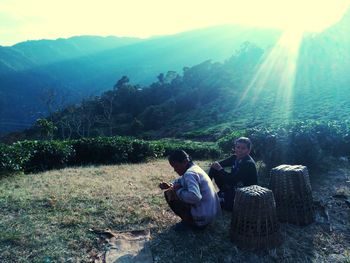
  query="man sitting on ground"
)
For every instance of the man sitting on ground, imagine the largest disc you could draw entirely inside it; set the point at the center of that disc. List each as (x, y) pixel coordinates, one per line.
(243, 171)
(192, 196)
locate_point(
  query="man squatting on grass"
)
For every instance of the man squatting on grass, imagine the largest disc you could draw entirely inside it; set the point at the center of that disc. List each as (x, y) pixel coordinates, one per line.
(243, 171)
(192, 196)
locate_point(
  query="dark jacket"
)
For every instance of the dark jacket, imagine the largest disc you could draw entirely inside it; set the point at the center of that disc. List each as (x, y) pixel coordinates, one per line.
(243, 172)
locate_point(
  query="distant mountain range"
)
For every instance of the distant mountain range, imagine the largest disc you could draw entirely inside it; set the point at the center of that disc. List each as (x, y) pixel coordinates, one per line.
(80, 67)
(31, 54)
(34, 74)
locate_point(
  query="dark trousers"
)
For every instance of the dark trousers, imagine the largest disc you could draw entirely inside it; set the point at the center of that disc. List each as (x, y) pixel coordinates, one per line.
(224, 185)
(221, 180)
(179, 207)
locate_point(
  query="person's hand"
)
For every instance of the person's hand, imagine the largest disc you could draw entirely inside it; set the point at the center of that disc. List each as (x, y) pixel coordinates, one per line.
(216, 166)
(164, 185)
(176, 186)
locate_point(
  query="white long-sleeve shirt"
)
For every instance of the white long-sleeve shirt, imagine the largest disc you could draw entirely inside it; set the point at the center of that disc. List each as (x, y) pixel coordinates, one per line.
(198, 190)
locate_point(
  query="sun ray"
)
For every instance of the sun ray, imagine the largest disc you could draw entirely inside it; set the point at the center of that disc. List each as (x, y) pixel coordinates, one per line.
(275, 77)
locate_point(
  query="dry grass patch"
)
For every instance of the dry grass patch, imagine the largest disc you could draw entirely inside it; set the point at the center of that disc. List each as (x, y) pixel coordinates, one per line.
(46, 218)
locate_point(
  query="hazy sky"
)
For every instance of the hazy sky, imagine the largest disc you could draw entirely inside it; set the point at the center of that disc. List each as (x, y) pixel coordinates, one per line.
(22, 20)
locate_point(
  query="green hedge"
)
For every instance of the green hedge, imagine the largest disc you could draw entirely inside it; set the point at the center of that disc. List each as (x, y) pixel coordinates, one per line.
(225, 143)
(111, 150)
(12, 159)
(307, 143)
(43, 155)
(34, 156)
(197, 150)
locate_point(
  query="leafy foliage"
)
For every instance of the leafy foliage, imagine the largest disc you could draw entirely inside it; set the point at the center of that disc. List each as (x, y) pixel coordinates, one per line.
(308, 143)
(108, 150)
(44, 155)
(12, 159)
(197, 150)
(33, 156)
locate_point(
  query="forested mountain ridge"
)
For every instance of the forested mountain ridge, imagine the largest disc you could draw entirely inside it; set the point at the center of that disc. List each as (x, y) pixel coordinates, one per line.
(173, 105)
(205, 102)
(212, 98)
(26, 87)
(142, 61)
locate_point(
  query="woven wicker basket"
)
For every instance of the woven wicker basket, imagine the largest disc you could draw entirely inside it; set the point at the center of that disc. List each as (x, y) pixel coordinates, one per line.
(254, 224)
(292, 190)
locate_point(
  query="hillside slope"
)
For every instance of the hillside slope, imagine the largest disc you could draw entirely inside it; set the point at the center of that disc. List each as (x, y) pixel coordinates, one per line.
(93, 72)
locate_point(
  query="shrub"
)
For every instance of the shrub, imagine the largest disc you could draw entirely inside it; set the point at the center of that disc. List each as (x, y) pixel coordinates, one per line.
(143, 150)
(34, 156)
(226, 142)
(11, 160)
(112, 150)
(43, 155)
(307, 143)
(101, 150)
(197, 150)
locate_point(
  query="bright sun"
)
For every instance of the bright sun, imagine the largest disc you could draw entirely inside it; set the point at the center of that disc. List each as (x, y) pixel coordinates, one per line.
(311, 15)
(278, 70)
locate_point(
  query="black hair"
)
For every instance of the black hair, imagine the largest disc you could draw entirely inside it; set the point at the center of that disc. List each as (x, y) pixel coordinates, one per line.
(244, 140)
(179, 156)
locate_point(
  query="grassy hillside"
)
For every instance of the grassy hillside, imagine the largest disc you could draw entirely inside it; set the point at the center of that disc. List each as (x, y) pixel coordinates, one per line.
(46, 217)
(81, 67)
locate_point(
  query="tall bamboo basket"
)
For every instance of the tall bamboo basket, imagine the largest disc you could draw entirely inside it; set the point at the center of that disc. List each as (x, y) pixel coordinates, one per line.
(291, 187)
(254, 223)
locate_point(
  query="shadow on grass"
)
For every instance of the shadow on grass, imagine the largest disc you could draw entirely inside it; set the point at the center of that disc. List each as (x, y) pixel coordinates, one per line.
(213, 245)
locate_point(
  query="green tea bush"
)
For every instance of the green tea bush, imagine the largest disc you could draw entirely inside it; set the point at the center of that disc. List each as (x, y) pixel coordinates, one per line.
(143, 150)
(307, 143)
(11, 160)
(34, 156)
(108, 150)
(197, 150)
(286, 145)
(333, 137)
(112, 150)
(226, 142)
(101, 150)
(43, 155)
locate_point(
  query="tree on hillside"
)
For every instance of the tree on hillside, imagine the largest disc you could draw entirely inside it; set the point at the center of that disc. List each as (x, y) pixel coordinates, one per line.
(205, 95)
(88, 116)
(160, 78)
(107, 103)
(121, 82)
(65, 128)
(46, 128)
(136, 127)
(53, 100)
(168, 77)
(64, 122)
